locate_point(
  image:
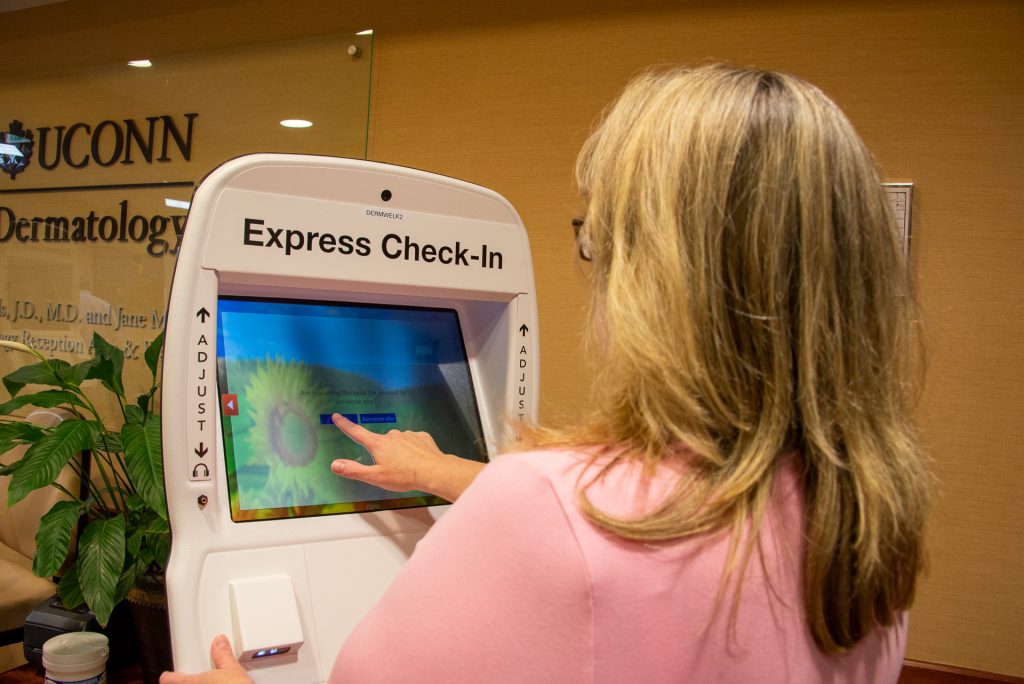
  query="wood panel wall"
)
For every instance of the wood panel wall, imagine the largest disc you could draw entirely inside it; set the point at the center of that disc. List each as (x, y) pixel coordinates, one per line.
(504, 95)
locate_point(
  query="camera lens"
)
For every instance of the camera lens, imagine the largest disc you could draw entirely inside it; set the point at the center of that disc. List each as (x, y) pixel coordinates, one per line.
(386, 195)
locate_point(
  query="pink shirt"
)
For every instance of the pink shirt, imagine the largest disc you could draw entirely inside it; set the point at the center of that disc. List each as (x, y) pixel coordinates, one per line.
(514, 584)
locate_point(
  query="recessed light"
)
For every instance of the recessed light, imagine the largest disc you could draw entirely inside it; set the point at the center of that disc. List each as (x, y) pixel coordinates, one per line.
(296, 123)
(140, 63)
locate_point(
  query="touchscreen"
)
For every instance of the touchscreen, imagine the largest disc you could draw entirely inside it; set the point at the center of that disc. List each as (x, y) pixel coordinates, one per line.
(285, 366)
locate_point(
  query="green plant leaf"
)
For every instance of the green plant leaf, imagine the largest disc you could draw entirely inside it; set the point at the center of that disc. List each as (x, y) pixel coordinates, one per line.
(161, 545)
(44, 459)
(153, 353)
(42, 373)
(134, 542)
(134, 415)
(53, 538)
(69, 590)
(143, 402)
(102, 370)
(109, 366)
(17, 434)
(136, 504)
(109, 442)
(135, 569)
(100, 562)
(75, 375)
(158, 526)
(144, 462)
(146, 555)
(44, 399)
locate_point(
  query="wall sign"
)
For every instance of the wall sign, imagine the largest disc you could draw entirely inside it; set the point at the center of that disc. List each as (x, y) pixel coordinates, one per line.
(901, 198)
(98, 168)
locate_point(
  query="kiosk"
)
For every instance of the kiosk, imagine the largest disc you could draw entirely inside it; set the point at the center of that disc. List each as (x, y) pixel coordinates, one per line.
(306, 286)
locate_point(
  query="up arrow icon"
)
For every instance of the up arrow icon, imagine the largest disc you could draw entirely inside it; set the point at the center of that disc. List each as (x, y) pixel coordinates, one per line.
(203, 314)
(523, 329)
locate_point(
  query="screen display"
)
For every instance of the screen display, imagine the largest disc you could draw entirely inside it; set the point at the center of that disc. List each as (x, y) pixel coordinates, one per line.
(284, 366)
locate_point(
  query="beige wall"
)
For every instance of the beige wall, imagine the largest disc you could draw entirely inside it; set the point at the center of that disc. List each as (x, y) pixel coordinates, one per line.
(504, 96)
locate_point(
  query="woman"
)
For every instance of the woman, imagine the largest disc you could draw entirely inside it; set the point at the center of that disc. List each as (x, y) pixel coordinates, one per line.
(746, 500)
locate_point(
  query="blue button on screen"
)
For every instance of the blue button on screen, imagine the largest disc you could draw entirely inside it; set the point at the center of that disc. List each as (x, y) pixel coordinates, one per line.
(325, 418)
(377, 418)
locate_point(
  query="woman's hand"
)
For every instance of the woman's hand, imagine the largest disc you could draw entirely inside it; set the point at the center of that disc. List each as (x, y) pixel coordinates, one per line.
(226, 669)
(404, 461)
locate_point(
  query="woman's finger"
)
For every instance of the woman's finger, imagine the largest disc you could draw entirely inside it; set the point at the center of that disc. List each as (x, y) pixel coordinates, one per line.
(354, 470)
(221, 654)
(357, 433)
(226, 668)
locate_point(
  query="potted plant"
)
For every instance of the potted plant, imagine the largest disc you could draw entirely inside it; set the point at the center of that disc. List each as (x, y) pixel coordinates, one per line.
(122, 508)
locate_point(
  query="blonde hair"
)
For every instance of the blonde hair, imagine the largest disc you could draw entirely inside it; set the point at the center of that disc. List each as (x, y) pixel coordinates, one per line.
(751, 300)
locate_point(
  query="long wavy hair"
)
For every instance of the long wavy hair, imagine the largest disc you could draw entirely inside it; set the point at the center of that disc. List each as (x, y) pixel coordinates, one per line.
(751, 300)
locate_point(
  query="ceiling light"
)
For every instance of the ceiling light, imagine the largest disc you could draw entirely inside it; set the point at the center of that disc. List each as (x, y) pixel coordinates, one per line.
(296, 123)
(176, 204)
(140, 63)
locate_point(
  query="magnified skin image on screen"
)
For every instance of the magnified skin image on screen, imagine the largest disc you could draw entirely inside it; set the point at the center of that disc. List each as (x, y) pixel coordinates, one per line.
(285, 366)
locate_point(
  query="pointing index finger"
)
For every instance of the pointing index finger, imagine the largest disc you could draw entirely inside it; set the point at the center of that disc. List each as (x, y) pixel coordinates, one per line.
(357, 433)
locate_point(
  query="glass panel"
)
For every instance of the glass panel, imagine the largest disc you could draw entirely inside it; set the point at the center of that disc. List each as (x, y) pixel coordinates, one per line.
(99, 166)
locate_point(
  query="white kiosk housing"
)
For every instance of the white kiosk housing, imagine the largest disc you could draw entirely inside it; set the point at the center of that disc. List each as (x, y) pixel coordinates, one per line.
(306, 286)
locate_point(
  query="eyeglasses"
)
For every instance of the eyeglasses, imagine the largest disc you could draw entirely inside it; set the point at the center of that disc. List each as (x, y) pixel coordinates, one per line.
(584, 251)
